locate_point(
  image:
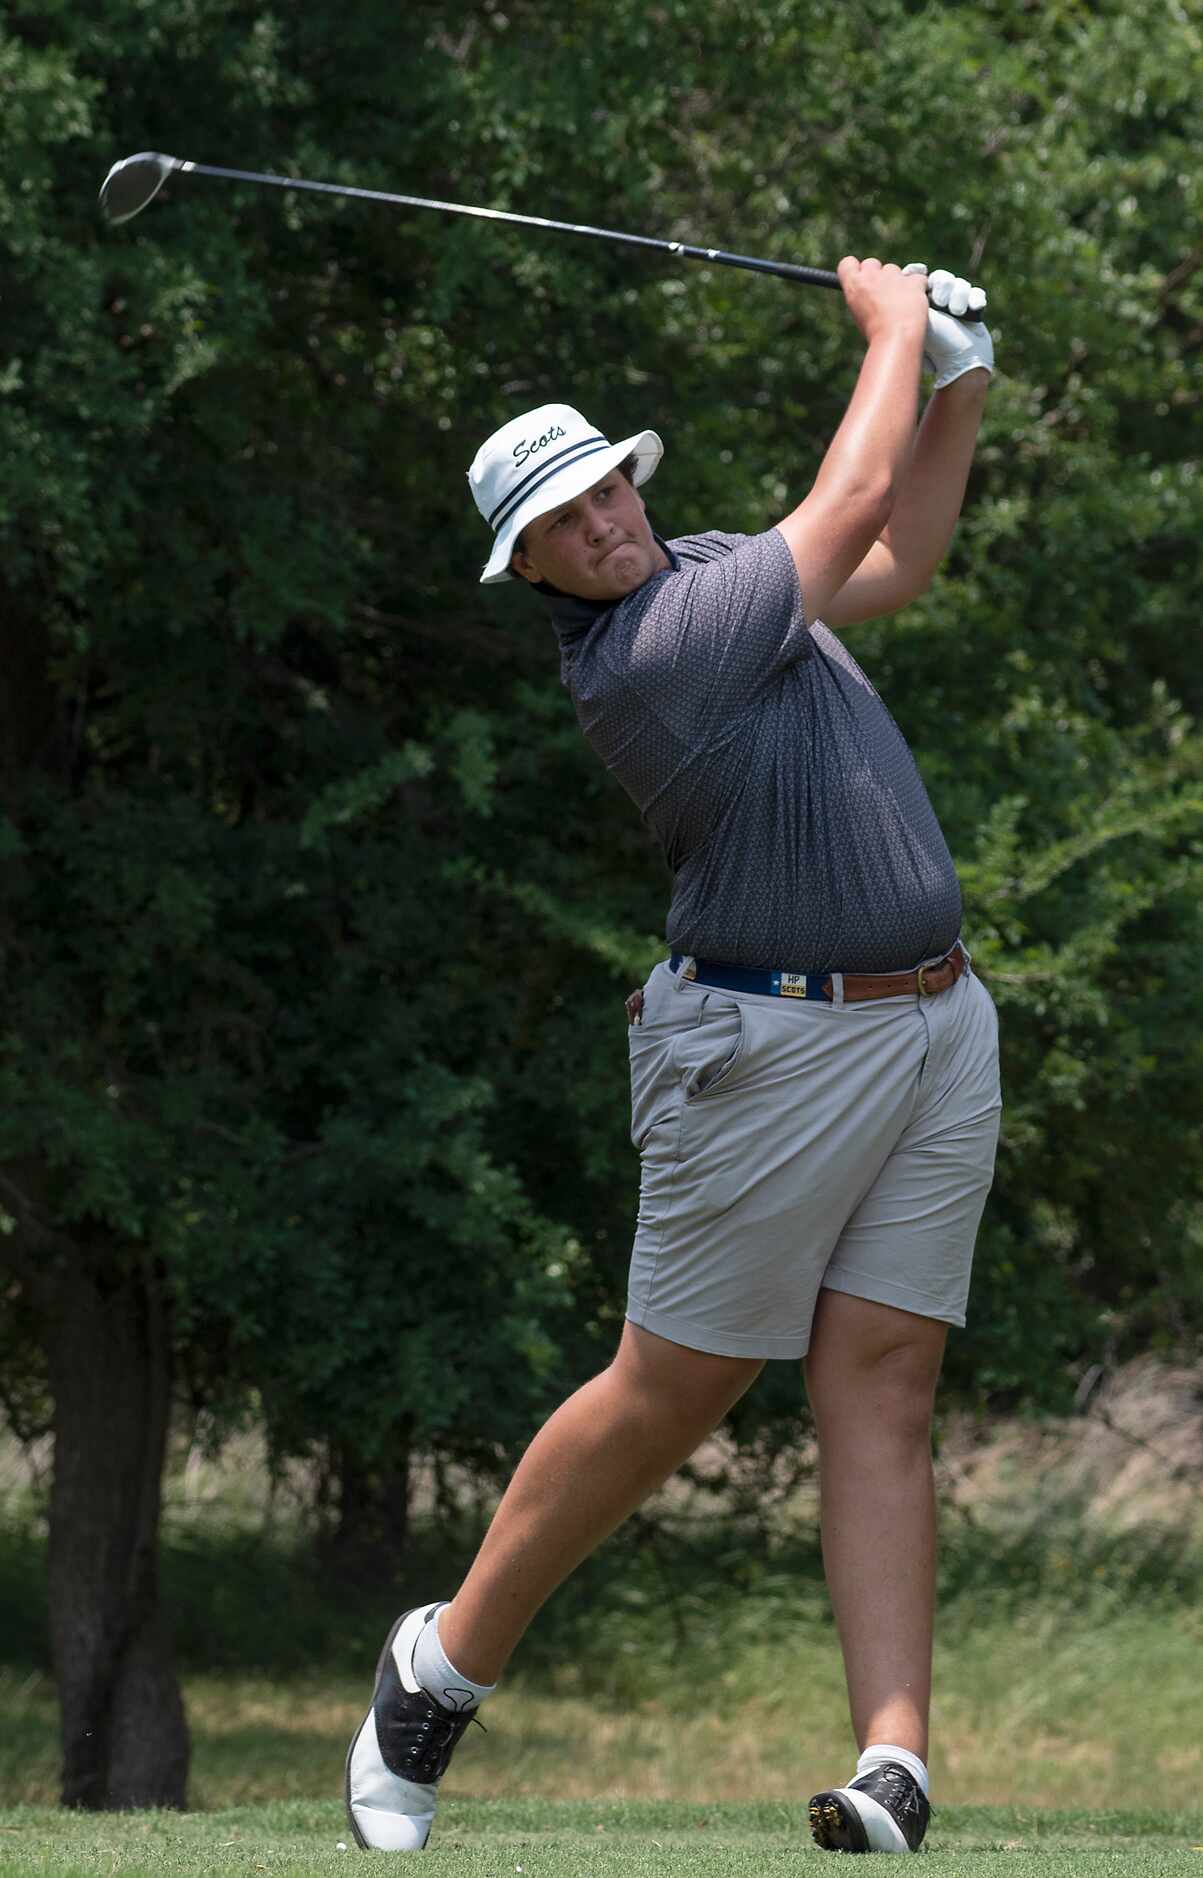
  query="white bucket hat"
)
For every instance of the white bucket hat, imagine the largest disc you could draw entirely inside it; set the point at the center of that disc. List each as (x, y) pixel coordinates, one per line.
(539, 460)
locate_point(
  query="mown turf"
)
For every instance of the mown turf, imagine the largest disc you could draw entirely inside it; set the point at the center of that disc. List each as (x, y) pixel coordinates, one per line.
(509, 1839)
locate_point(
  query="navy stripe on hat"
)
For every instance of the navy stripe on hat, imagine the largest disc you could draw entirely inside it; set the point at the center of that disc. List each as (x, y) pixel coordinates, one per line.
(534, 479)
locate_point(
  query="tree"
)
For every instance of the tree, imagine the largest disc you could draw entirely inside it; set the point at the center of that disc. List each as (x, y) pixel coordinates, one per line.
(318, 912)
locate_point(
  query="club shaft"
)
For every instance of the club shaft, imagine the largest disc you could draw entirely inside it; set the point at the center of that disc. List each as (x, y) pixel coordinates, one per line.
(683, 250)
(810, 276)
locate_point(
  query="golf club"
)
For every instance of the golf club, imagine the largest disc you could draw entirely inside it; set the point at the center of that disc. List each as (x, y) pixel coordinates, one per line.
(136, 180)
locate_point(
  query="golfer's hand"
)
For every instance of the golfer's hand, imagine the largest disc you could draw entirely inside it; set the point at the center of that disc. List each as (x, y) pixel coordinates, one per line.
(952, 347)
(635, 1008)
(881, 299)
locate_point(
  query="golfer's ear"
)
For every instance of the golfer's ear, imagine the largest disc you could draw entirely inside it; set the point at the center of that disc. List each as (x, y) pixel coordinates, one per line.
(522, 565)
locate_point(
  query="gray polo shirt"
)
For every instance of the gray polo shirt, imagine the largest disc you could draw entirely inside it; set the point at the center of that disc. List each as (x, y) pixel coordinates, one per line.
(783, 795)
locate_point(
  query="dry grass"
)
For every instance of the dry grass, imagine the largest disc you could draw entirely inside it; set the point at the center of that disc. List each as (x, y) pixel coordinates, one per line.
(1132, 1458)
(1045, 1712)
(1068, 1658)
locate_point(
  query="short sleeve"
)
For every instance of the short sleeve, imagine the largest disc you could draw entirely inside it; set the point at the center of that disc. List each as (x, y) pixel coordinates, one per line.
(701, 643)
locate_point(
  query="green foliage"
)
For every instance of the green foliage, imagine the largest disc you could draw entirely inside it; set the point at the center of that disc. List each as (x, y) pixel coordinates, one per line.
(317, 911)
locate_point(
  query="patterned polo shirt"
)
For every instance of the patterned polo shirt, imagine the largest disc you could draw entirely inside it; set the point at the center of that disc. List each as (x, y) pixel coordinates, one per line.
(782, 793)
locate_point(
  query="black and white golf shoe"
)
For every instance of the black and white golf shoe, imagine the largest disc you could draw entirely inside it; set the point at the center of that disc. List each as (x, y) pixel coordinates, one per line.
(401, 1749)
(885, 1810)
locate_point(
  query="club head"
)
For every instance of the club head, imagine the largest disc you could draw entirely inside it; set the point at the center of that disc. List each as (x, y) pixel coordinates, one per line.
(134, 182)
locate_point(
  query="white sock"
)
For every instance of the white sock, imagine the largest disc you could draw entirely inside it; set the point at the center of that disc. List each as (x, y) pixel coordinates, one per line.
(437, 1674)
(880, 1753)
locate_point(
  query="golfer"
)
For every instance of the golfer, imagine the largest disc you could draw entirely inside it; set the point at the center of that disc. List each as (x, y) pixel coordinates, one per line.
(814, 1068)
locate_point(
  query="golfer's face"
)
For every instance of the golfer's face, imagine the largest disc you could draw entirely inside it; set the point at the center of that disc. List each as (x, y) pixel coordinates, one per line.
(599, 546)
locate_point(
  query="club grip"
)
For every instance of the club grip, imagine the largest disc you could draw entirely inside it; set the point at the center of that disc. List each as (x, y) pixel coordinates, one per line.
(823, 277)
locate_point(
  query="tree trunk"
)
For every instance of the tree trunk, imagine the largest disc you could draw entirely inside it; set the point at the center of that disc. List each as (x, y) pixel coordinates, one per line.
(368, 1542)
(124, 1734)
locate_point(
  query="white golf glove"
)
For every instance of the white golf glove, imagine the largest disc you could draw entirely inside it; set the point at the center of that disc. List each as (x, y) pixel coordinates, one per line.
(953, 346)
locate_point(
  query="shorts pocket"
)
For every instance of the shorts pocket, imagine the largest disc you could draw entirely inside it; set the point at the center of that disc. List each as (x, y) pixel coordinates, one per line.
(655, 1085)
(709, 1055)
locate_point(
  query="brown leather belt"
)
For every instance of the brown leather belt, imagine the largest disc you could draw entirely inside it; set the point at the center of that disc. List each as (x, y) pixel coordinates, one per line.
(926, 982)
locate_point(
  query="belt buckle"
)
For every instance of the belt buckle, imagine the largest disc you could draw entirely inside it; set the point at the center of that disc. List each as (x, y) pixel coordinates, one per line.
(929, 991)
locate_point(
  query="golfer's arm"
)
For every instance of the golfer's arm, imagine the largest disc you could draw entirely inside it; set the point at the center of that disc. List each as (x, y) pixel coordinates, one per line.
(858, 482)
(900, 564)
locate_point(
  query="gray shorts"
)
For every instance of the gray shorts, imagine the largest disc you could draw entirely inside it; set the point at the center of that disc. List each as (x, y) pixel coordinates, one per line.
(788, 1144)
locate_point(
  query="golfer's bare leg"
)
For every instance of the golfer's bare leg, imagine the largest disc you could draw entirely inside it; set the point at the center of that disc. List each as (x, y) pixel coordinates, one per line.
(871, 1377)
(592, 1464)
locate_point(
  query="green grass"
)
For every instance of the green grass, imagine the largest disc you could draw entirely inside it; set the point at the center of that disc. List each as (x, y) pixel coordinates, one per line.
(688, 1660)
(1041, 1708)
(547, 1839)
(674, 1668)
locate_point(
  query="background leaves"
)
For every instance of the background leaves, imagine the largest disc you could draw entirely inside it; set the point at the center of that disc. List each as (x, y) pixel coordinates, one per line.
(317, 912)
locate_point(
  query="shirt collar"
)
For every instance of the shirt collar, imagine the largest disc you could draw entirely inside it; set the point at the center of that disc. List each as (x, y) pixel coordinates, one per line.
(572, 617)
